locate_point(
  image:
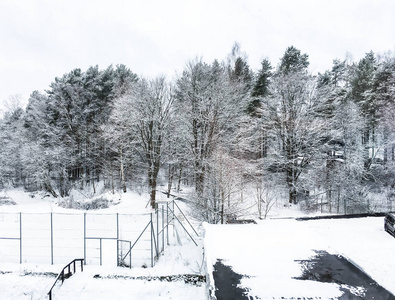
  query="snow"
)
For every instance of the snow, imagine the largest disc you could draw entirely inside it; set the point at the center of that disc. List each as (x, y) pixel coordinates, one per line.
(83, 285)
(31, 280)
(364, 242)
(268, 252)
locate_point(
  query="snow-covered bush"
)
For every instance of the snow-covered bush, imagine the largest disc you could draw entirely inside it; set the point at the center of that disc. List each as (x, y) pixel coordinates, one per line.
(6, 201)
(87, 204)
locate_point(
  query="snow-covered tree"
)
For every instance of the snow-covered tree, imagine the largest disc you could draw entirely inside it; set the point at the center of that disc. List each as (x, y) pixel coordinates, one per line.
(153, 108)
(290, 116)
(120, 139)
(12, 171)
(211, 100)
(140, 124)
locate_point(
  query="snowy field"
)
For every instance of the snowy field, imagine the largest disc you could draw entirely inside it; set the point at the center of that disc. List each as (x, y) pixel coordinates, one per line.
(29, 281)
(32, 280)
(268, 253)
(52, 234)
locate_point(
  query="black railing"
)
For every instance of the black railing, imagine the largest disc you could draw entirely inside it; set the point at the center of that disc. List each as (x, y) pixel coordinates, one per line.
(62, 275)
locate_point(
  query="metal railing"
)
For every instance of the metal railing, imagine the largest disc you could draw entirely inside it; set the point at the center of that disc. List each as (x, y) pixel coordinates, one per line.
(62, 275)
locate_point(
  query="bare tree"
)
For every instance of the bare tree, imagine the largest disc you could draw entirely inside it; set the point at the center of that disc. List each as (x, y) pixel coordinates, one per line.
(152, 112)
(210, 100)
(265, 197)
(292, 123)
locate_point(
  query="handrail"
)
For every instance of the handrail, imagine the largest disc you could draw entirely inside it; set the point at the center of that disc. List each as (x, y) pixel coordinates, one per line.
(64, 276)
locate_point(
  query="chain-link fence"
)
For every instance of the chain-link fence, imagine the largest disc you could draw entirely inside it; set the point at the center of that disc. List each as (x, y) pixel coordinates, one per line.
(106, 239)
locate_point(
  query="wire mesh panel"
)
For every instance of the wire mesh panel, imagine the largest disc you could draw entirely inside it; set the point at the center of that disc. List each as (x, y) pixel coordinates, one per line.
(67, 237)
(9, 225)
(131, 240)
(135, 229)
(10, 237)
(101, 225)
(9, 250)
(124, 254)
(36, 238)
(101, 234)
(101, 252)
(160, 227)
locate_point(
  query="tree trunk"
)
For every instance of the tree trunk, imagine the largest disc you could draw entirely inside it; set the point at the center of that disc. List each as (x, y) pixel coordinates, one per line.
(112, 179)
(222, 206)
(222, 193)
(179, 179)
(200, 183)
(49, 189)
(153, 171)
(170, 180)
(153, 195)
(291, 185)
(93, 185)
(292, 195)
(122, 172)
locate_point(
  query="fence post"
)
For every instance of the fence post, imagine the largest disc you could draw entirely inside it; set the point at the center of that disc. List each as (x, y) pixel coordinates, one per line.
(163, 228)
(167, 221)
(157, 229)
(130, 255)
(20, 237)
(85, 238)
(51, 239)
(174, 222)
(117, 239)
(100, 253)
(152, 246)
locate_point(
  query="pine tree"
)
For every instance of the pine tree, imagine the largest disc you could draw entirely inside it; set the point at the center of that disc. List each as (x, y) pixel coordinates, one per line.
(260, 88)
(293, 61)
(362, 85)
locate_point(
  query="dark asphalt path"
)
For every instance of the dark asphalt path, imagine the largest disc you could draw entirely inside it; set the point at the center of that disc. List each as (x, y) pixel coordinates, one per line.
(355, 284)
(226, 282)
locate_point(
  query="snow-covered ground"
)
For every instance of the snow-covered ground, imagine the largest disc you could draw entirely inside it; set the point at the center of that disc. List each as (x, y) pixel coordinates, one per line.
(267, 252)
(30, 281)
(33, 280)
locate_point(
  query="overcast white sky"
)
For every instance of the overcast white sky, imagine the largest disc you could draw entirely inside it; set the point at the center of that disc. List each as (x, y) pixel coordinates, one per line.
(43, 39)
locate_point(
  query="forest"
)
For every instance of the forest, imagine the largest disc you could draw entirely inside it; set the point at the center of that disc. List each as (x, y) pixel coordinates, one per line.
(325, 142)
